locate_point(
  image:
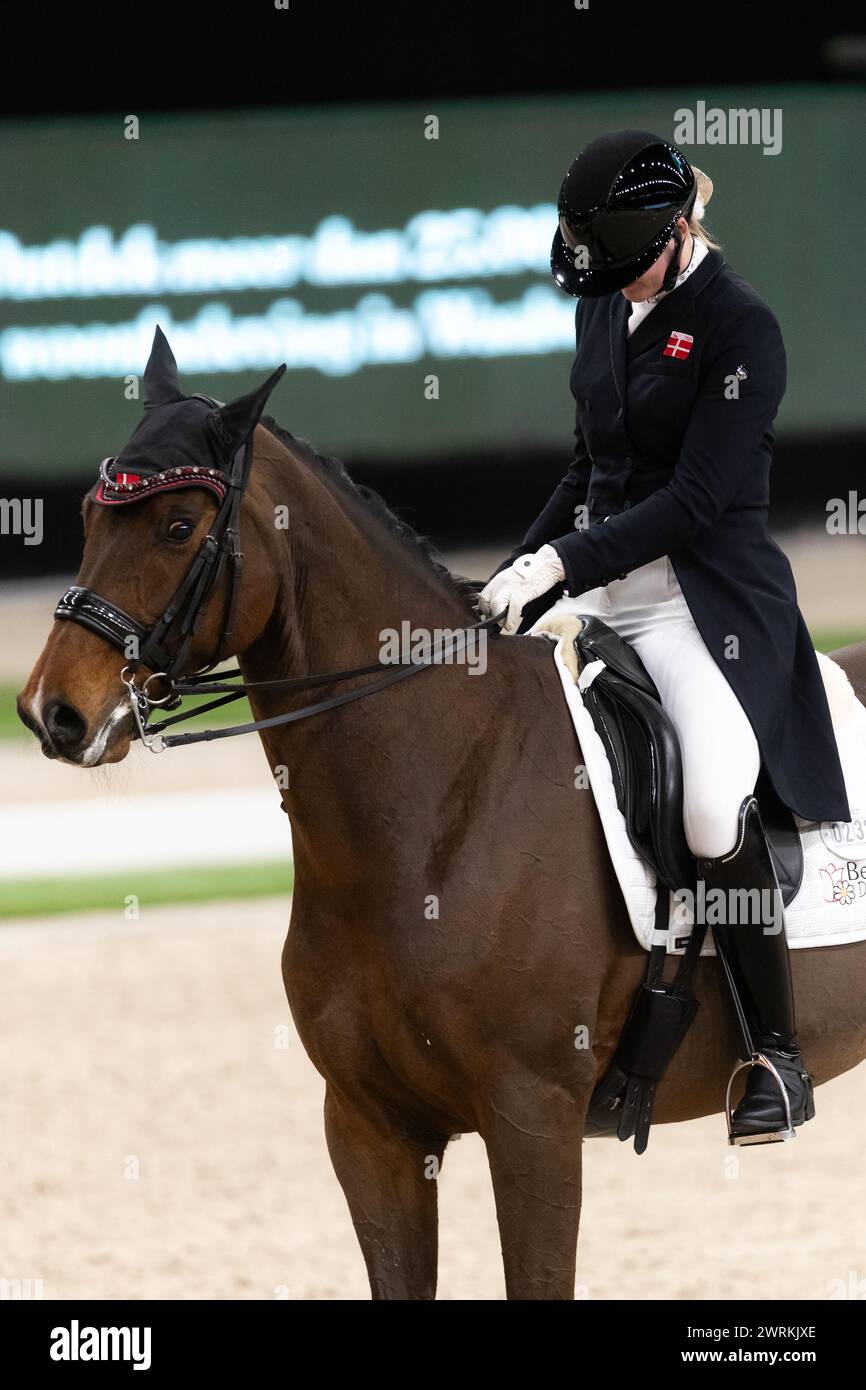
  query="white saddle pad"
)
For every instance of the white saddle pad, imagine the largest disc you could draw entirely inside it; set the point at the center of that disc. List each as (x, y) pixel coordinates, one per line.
(830, 905)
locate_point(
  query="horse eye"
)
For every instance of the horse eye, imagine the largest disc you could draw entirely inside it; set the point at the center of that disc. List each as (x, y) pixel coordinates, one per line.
(180, 530)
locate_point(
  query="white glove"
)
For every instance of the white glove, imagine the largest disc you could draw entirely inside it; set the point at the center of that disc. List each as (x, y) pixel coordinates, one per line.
(528, 578)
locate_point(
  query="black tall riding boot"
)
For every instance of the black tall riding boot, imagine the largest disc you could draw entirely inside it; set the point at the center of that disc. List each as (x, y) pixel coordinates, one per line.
(750, 939)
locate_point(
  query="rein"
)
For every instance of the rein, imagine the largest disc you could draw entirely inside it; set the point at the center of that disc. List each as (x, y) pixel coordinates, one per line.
(153, 737)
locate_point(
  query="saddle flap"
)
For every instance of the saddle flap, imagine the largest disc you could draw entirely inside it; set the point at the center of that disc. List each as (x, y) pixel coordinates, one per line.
(642, 747)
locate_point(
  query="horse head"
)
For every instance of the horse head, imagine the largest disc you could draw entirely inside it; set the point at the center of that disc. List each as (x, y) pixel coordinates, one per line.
(161, 585)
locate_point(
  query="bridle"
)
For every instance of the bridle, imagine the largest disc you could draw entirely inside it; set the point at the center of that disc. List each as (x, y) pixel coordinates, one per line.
(219, 550)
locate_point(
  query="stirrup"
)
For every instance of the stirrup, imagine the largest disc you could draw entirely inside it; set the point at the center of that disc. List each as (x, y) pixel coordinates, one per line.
(774, 1136)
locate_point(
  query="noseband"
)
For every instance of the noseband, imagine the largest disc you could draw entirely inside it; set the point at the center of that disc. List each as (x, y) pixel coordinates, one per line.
(219, 549)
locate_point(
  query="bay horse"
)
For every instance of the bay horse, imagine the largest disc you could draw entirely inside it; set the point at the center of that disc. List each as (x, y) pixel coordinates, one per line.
(456, 923)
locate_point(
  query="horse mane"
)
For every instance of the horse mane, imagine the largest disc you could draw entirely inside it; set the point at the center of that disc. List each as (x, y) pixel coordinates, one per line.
(420, 547)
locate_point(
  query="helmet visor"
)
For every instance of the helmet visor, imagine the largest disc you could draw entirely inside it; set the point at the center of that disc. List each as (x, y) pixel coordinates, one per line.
(613, 237)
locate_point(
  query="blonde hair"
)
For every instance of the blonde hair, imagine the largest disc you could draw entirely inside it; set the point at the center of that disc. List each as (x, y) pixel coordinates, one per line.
(696, 219)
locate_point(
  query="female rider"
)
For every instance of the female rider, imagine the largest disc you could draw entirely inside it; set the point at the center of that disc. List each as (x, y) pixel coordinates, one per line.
(659, 527)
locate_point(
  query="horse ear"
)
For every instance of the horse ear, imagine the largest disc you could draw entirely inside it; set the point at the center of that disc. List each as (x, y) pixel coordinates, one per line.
(161, 381)
(240, 417)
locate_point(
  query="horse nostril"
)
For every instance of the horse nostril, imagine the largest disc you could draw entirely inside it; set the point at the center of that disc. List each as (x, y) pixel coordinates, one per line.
(64, 725)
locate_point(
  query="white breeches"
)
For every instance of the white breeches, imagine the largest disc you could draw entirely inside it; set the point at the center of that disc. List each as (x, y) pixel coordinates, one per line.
(721, 759)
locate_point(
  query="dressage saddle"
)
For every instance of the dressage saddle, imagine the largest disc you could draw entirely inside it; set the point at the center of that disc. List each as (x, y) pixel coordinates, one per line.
(643, 750)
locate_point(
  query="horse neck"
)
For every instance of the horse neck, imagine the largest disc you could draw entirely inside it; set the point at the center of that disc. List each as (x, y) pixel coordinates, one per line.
(344, 580)
(343, 575)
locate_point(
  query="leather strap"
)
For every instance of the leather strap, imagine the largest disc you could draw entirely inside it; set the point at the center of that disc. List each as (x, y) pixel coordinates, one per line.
(107, 619)
(395, 674)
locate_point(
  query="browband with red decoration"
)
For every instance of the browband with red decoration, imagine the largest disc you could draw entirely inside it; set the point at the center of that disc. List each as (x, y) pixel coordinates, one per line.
(111, 492)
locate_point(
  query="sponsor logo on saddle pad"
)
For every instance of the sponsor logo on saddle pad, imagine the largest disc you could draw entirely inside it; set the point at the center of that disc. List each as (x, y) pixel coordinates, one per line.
(679, 345)
(845, 883)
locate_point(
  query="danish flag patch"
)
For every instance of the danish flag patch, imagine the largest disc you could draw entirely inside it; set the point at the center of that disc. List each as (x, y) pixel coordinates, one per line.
(679, 345)
(128, 478)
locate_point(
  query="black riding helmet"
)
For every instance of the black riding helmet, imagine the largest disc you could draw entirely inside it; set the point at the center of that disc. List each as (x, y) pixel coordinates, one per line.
(618, 205)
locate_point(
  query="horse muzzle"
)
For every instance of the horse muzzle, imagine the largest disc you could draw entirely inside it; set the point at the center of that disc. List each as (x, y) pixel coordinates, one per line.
(65, 733)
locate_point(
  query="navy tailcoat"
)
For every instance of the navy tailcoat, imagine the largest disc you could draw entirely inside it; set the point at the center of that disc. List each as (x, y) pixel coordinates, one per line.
(674, 443)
